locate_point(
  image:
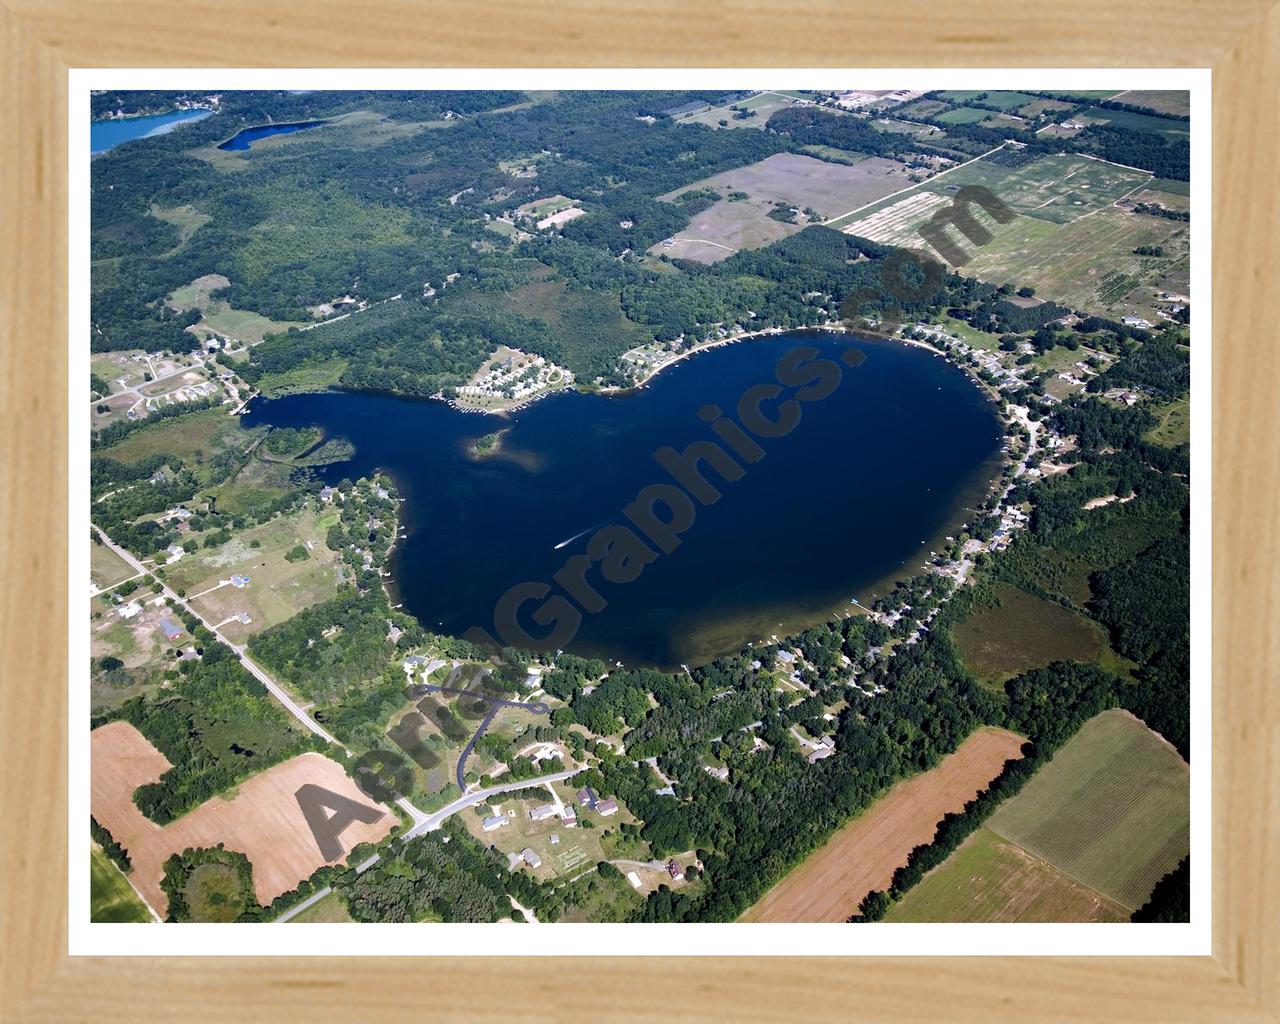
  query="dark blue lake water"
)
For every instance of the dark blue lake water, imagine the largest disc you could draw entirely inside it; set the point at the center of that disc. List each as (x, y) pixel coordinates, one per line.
(105, 135)
(246, 138)
(853, 497)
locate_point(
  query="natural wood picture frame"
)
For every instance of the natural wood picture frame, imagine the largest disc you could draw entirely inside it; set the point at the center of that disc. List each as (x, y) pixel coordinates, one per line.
(41, 39)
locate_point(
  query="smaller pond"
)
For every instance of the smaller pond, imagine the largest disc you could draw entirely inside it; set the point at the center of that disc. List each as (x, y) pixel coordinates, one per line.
(246, 138)
(107, 134)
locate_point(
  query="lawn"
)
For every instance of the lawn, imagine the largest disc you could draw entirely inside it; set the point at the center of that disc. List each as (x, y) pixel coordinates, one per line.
(1111, 809)
(1024, 632)
(111, 898)
(989, 879)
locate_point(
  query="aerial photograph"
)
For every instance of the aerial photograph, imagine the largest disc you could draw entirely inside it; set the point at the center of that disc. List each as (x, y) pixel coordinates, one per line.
(723, 505)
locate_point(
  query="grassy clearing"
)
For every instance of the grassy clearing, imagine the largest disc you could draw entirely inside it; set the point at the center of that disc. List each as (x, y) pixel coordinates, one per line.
(330, 910)
(989, 879)
(187, 219)
(306, 377)
(111, 898)
(1174, 427)
(1111, 809)
(1024, 632)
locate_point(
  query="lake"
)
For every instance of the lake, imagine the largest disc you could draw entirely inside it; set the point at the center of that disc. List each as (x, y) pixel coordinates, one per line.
(105, 135)
(854, 497)
(247, 137)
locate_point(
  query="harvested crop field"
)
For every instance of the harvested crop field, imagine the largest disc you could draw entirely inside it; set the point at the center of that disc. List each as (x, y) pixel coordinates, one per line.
(862, 856)
(262, 819)
(989, 879)
(828, 188)
(1111, 809)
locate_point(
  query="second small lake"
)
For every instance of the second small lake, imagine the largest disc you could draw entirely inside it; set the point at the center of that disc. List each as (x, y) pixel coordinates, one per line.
(107, 134)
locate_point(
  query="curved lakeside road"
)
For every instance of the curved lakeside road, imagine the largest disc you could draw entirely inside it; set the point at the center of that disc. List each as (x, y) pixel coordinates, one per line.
(496, 704)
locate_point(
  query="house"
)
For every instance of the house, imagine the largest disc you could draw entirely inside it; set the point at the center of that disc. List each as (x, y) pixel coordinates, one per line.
(586, 798)
(786, 657)
(495, 822)
(675, 870)
(665, 791)
(414, 661)
(171, 629)
(721, 773)
(570, 817)
(326, 494)
(819, 753)
(1134, 321)
(531, 858)
(555, 838)
(240, 581)
(607, 807)
(542, 812)
(128, 611)
(175, 552)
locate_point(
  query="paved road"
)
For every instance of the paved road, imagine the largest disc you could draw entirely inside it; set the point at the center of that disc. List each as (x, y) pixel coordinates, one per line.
(496, 705)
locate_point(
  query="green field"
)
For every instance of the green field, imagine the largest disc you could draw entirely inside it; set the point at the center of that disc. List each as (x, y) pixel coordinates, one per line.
(193, 438)
(1140, 122)
(989, 879)
(1111, 809)
(998, 98)
(964, 115)
(1023, 632)
(111, 897)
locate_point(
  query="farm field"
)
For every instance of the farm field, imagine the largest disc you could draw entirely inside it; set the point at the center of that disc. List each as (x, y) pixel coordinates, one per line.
(1024, 632)
(989, 879)
(260, 819)
(997, 98)
(1058, 188)
(1111, 809)
(111, 899)
(1166, 126)
(963, 115)
(277, 590)
(1173, 101)
(862, 856)
(802, 181)
(1089, 264)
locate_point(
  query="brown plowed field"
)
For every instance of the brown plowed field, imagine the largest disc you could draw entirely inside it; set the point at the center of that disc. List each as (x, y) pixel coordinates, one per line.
(262, 819)
(862, 856)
